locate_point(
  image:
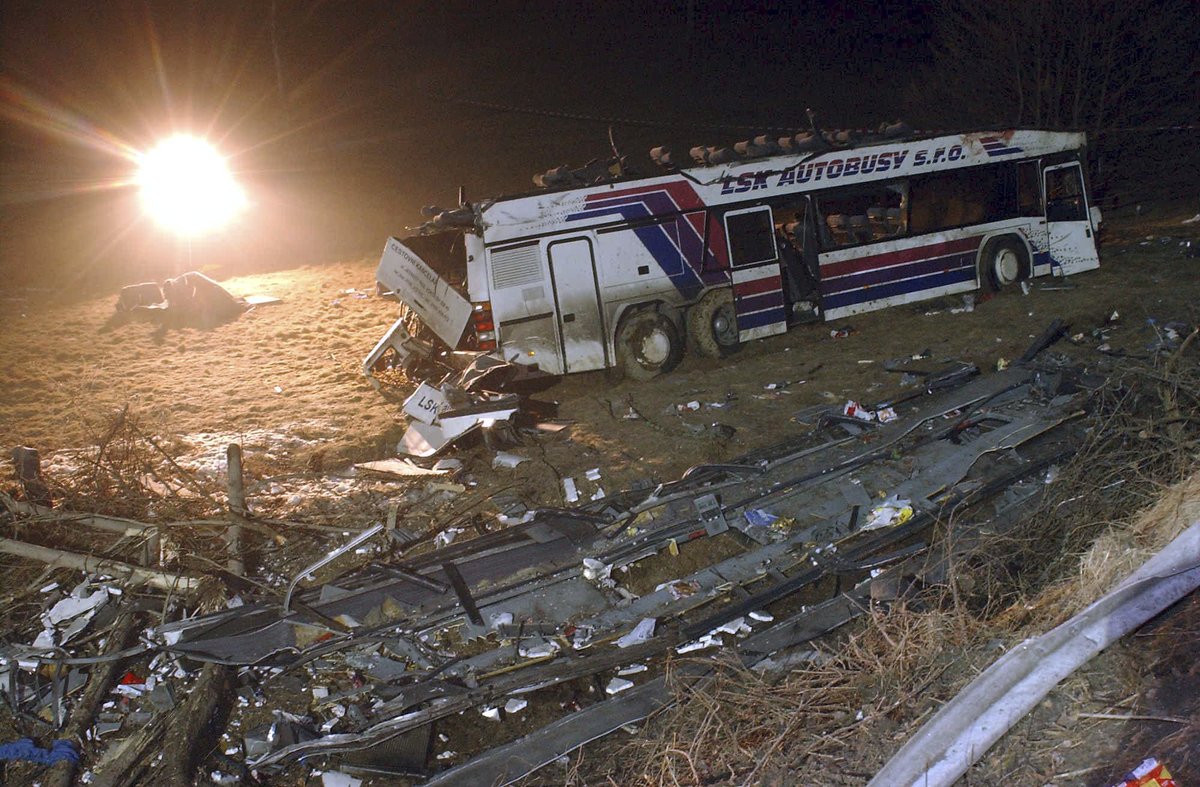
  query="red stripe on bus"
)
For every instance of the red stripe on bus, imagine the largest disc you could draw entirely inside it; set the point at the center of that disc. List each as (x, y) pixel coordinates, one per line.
(769, 284)
(861, 264)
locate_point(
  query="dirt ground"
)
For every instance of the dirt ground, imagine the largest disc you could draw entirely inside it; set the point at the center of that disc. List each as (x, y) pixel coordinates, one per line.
(285, 381)
(295, 367)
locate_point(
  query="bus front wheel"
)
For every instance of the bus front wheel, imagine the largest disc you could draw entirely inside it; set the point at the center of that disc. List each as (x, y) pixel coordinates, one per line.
(712, 324)
(1003, 263)
(648, 344)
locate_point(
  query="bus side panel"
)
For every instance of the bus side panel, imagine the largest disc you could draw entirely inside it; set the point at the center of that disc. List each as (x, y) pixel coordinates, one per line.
(902, 271)
(523, 306)
(1038, 238)
(640, 265)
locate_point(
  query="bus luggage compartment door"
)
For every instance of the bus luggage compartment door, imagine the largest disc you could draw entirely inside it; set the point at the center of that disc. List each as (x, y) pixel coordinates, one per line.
(577, 301)
(1071, 240)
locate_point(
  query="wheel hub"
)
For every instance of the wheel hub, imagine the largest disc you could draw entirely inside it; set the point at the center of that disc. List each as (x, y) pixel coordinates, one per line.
(656, 348)
(1007, 266)
(724, 328)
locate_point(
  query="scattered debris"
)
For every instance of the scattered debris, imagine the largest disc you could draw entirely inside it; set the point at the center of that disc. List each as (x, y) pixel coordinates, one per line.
(391, 632)
(1149, 772)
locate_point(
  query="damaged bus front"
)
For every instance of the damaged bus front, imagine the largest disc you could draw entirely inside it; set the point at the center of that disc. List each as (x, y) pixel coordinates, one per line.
(429, 275)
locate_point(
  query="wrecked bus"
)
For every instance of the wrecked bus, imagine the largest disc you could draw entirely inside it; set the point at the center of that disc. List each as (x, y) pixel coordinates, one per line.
(624, 274)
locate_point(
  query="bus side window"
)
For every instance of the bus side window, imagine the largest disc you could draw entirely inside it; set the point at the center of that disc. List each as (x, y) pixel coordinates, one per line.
(1029, 189)
(856, 216)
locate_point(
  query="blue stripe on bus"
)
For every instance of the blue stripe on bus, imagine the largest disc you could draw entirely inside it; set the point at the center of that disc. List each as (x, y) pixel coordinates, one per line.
(747, 321)
(934, 281)
(906, 271)
(753, 303)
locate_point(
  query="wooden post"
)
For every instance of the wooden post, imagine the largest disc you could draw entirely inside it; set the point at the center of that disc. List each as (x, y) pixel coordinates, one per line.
(237, 510)
(104, 674)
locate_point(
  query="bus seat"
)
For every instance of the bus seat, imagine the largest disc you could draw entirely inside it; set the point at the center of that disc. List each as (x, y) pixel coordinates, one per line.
(860, 229)
(837, 228)
(878, 219)
(895, 221)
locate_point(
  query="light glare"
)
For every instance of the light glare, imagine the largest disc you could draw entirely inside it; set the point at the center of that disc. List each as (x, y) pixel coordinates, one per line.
(187, 188)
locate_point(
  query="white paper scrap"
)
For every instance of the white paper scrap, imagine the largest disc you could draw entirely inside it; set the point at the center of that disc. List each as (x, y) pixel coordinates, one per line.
(643, 631)
(507, 460)
(617, 685)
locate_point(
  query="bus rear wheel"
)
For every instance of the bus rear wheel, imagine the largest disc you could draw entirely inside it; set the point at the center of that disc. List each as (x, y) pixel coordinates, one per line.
(712, 324)
(1003, 263)
(648, 344)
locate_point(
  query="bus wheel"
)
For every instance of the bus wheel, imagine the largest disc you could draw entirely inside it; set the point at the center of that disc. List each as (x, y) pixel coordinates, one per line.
(648, 345)
(712, 324)
(1002, 263)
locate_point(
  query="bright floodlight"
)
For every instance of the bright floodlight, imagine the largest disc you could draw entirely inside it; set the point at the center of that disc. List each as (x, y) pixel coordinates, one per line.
(187, 188)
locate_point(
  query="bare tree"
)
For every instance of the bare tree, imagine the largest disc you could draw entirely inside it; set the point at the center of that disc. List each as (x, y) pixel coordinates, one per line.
(1117, 68)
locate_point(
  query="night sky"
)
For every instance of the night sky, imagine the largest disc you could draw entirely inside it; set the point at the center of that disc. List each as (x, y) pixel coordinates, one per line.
(343, 118)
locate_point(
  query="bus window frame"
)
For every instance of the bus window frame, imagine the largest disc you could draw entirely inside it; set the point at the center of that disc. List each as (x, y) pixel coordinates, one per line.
(770, 224)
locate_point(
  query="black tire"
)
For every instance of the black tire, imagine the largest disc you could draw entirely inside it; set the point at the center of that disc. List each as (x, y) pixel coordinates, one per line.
(712, 324)
(1003, 263)
(648, 344)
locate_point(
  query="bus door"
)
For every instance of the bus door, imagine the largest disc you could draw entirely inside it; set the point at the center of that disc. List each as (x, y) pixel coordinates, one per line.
(577, 302)
(754, 265)
(1071, 242)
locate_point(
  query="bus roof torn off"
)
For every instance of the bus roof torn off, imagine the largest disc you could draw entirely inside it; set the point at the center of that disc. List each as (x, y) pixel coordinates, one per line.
(627, 272)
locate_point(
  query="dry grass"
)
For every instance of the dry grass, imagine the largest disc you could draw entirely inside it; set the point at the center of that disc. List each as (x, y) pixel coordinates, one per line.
(742, 726)
(833, 720)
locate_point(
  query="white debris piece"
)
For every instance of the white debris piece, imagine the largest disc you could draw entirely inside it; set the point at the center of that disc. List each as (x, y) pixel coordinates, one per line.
(598, 494)
(515, 705)
(617, 685)
(632, 669)
(507, 460)
(707, 641)
(447, 536)
(856, 410)
(75, 605)
(570, 492)
(498, 619)
(492, 713)
(425, 403)
(643, 631)
(893, 511)
(732, 627)
(45, 640)
(538, 648)
(762, 617)
(594, 569)
(446, 755)
(593, 474)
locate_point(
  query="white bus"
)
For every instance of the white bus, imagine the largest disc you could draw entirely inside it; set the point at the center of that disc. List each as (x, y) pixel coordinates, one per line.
(626, 274)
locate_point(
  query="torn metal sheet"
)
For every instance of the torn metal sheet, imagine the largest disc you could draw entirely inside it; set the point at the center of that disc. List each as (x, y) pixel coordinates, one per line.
(506, 764)
(536, 617)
